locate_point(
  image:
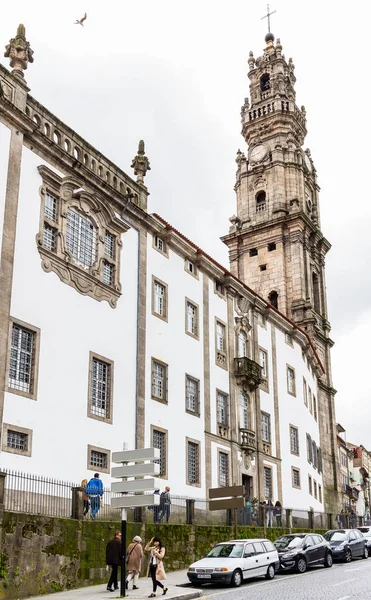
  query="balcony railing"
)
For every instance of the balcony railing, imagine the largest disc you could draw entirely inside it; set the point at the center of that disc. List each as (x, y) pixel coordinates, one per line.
(247, 439)
(248, 371)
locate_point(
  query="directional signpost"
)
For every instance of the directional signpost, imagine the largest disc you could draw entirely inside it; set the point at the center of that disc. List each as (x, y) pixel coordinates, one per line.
(133, 489)
(229, 498)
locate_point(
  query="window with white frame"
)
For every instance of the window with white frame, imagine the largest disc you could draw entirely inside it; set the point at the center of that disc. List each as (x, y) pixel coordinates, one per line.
(291, 388)
(160, 244)
(242, 344)
(222, 409)
(305, 392)
(244, 410)
(266, 427)
(159, 440)
(267, 483)
(159, 298)
(50, 208)
(343, 459)
(219, 287)
(49, 237)
(81, 238)
(263, 360)
(159, 380)
(22, 359)
(192, 395)
(191, 318)
(100, 388)
(295, 478)
(344, 479)
(190, 267)
(193, 462)
(109, 245)
(294, 440)
(223, 469)
(220, 336)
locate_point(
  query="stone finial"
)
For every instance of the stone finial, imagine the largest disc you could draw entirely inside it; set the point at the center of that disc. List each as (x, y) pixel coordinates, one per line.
(140, 163)
(251, 60)
(19, 51)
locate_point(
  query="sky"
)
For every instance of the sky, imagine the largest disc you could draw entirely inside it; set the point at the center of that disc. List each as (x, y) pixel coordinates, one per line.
(175, 74)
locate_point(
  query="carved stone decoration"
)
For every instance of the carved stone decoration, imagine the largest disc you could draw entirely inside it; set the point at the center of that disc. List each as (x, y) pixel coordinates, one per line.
(140, 163)
(242, 306)
(99, 278)
(247, 460)
(19, 51)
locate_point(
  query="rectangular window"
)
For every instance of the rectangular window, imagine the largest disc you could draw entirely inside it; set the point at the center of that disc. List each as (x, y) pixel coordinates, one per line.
(291, 381)
(263, 360)
(50, 211)
(192, 395)
(271, 246)
(223, 469)
(288, 339)
(314, 407)
(21, 359)
(193, 458)
(159, 380)
(220, 336)
(295, 478)
(81, 238)
(223, 412)
(242, 344)
(244, 411)
(191, 318)
(100, 388)
(343, 479)
(49, 237)
(294, 440)
(159, 440)
(266, 428)
(305, 392)
(109, 245)
(314, 454)
(253, 252)
(320, 493)
(343, 459)
(310, 485)
(315, 488)
(261, 319)
(159, 298)
(309, 449)
(190, 267)
(267, 483)
(98, 460)
(159, 244)
(219, 287)
(17, 440)
(108, 273)
(310, 400)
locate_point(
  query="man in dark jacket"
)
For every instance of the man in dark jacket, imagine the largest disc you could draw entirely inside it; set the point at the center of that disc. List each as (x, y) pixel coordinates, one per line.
(113, 559)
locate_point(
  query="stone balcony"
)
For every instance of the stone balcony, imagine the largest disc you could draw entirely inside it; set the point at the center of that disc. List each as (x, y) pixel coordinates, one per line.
(248, 372)
(247, 439)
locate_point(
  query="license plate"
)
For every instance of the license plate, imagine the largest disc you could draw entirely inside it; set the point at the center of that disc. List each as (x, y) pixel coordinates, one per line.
(200, 576)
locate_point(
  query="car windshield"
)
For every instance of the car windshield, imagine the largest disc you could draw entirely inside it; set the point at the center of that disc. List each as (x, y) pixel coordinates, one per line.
(226, 551)
(365, 530)
(336, 536)
(288, 541)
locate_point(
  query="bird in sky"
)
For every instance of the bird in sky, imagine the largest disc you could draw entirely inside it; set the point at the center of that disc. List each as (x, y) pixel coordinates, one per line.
(81, 21)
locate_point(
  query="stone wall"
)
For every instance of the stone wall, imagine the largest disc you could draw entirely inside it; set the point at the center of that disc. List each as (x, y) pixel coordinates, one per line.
(39, 555)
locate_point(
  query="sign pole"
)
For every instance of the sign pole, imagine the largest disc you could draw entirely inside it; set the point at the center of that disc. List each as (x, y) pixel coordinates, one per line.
(123, 552)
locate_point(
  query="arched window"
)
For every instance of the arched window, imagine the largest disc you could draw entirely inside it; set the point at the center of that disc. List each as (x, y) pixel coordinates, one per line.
(273, 299)
(81, 238)
(265, 83)
(316, 297)
(260, 201)
(242, 344)
(244, 411)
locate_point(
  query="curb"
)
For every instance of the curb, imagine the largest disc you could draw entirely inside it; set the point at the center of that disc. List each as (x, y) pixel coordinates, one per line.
(190, 595)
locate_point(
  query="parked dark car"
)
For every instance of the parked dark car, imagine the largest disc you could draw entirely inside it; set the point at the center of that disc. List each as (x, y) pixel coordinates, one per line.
(347, 544)
(366, 531)
(301, 550)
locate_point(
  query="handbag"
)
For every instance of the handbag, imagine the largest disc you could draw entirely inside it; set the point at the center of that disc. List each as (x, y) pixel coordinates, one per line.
(128, 555)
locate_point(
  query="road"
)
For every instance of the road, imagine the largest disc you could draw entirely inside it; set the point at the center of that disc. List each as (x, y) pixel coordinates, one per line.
(341, 582)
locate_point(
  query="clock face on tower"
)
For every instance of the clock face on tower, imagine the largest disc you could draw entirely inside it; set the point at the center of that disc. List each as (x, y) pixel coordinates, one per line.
(258, 153)
(308, 163)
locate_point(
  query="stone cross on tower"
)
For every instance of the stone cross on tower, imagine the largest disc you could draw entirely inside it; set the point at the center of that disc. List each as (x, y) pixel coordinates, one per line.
(19, 51)
(267, 16)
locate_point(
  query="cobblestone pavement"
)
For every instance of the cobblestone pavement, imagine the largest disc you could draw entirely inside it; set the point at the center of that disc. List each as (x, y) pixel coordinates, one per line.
(341, 582)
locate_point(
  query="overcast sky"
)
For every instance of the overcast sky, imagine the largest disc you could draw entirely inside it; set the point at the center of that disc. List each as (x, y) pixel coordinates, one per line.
(175, 74)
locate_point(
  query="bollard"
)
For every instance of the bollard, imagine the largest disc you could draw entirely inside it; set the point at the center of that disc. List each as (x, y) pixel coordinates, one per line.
(190, 511)
(77, 507)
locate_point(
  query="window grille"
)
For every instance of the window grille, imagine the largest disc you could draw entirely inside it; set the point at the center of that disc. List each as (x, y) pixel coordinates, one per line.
(108, 273)
(192, 395)
(49, 237)
(220, 334)
(81, 238)
(294, 437)
(100, 389)
(263, 363)
(267, 483)
(159, 441)
(244, 410)
(222, 409)
(98, 459)
(295, 478)
(21, 359)
(193, 463)
(158, 380)
(50, 211)
(191, 318)
(17, 440)
(223, 469)
(266, 428)
(159, 298)
(109, 245)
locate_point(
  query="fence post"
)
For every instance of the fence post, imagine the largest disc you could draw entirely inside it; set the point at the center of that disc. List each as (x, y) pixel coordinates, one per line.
(310, 520)
(329, 521)
(2, 492)
(138, 514)
(77, 509)
(289, 519)
(190, 511)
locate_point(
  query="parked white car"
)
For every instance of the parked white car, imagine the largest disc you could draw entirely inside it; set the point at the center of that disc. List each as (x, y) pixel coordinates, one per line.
(232, 562)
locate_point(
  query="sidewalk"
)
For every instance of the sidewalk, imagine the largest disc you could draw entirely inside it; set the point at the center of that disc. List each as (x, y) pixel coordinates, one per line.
(99, 592)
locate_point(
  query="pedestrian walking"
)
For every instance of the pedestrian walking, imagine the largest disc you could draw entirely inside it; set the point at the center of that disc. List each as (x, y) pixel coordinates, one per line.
(134, 561)
(277, 511)
(248, 511)
(165, 503)
(85, 498)
(113, 560)
(155, 567)
(94, 490)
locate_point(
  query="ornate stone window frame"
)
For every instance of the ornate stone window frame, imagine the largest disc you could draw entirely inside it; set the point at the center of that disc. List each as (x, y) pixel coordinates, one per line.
(88, 281)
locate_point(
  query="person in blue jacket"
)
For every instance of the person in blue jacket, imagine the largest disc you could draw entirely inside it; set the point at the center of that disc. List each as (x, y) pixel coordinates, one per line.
(94, 490)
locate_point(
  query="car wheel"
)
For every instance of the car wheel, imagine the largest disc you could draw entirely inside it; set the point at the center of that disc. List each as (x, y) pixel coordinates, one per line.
(328, 560)
(301, 565)
(365, 553)
(270, 572)
(236, 578)
(348, 556)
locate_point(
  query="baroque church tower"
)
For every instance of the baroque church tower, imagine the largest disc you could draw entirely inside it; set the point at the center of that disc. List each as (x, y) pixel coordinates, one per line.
(275, 243)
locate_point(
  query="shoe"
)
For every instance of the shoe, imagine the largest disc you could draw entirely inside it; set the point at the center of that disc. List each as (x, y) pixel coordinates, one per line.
(117, 587)
(109, 589)
(164, 591)
(152, 596)
(135, 587)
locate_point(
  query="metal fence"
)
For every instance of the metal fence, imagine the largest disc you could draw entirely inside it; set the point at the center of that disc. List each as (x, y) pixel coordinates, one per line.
(34, 494)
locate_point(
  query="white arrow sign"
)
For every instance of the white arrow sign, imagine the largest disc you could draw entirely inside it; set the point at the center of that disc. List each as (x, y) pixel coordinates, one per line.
(138, 470)
(135, 501)
(137, 485)
(136, 455)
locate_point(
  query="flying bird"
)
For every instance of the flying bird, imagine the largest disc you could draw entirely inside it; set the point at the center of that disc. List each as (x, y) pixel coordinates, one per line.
(81, 21)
